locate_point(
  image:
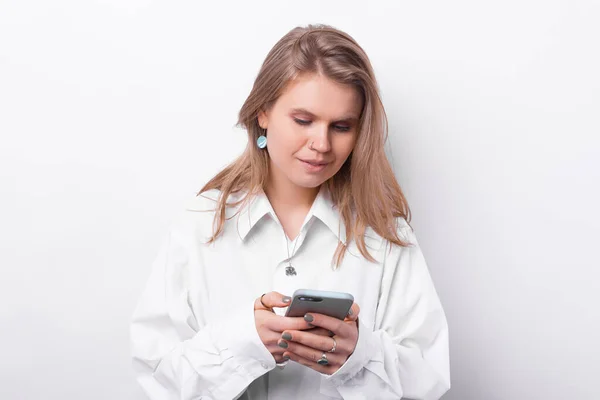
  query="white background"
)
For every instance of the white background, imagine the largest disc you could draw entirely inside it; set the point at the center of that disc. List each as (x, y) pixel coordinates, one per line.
(114, 113)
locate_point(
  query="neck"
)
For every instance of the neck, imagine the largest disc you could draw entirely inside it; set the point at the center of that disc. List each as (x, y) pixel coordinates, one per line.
(285, 195)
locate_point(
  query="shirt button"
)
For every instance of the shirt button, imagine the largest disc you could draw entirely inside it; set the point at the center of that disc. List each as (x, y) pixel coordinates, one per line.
(265, 366)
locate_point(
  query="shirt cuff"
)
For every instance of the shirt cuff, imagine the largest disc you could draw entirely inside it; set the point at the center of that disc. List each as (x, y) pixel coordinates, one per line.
(237, 335)
(366, 348)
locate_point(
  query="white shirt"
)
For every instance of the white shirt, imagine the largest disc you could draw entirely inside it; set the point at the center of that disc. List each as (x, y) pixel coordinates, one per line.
(193, 334)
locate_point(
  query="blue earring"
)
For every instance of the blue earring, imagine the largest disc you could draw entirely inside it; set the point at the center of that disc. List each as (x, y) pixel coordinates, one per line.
(261, 142)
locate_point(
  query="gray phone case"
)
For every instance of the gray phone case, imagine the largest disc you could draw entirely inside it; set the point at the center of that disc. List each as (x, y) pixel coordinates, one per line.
(333, 304)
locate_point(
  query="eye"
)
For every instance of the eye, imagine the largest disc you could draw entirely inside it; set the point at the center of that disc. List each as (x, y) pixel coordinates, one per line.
(338, 128)
(342, 128)
(301, 121)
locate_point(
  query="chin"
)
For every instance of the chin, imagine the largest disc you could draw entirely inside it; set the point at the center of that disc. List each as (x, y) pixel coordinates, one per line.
(308, 183)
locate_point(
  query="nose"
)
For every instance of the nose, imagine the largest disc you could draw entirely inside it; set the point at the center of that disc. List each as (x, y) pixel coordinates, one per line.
(319, 141)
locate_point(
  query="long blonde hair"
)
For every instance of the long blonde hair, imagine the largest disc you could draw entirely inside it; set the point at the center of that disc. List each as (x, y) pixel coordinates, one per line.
(365, 189)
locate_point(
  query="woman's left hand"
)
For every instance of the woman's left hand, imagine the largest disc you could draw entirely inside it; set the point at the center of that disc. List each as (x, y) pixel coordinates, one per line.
(307, 348)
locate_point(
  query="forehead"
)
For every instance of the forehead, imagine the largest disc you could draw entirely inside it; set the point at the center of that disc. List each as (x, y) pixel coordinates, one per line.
(321, 96)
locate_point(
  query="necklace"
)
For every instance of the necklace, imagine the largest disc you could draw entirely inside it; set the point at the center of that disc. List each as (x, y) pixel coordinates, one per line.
(290, 270)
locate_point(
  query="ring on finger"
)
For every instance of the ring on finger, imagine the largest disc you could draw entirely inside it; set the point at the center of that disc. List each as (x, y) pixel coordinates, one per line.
(263, 304)
(323, 360)
(334, 346)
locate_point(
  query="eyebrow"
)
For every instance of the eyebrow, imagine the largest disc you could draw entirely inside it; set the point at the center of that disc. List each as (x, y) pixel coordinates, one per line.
(349, 118)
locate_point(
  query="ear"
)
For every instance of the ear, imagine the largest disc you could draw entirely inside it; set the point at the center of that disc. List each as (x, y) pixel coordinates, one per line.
(263, 119)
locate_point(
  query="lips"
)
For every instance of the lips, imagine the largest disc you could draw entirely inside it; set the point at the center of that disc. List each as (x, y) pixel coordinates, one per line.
(313, 167)
(315, 163)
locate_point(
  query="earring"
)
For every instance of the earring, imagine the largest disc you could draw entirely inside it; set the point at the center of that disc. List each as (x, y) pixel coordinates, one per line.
(261, 142)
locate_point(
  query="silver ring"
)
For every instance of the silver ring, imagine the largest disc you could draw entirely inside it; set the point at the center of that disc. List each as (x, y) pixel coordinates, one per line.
(323, 360)
(334, 345)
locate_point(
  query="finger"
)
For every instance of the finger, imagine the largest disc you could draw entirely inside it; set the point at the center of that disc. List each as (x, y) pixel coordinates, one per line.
(324, 369)
(310, 353)
(321, 343)
(353, 313)
(320, 332)
(279, 359)
(275, 349)
(271, 337)
(335, 325)
(279, 324)
(270, 300)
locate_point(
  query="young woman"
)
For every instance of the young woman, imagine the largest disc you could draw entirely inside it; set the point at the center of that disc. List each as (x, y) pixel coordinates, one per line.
(312, 203)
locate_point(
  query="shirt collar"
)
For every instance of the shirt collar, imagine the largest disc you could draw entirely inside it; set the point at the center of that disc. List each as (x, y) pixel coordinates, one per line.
(254, 210)
(322, 208)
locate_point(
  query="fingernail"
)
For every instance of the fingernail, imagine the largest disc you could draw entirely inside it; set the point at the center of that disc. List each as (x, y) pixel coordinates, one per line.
(282, 344)
(308, 318)
(286, 358)
(286, 299)
(286, 336)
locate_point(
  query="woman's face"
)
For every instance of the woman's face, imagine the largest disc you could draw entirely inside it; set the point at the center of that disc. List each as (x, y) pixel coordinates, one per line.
(311, 129)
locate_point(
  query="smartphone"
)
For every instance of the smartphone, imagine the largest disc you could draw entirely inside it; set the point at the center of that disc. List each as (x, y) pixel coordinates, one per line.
(333, 304)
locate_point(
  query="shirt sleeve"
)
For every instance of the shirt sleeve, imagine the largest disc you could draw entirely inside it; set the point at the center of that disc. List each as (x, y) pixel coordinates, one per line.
(176, 354)
(406, 354)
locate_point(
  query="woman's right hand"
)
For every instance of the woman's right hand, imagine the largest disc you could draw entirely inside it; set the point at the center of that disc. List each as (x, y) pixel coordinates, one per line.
(270, 325)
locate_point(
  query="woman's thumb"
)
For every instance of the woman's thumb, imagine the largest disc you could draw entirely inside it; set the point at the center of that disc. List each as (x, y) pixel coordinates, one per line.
(272, 299)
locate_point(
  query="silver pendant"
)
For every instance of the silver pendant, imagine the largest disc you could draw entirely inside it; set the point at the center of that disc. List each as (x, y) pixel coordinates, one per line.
(290, 271)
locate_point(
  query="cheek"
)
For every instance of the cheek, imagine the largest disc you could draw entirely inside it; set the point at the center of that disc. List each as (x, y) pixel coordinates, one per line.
(282, 146)
(344, 147)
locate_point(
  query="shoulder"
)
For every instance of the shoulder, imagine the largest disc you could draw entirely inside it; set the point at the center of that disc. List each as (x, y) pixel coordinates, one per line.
(198, 215)
(206, 201)
(409, 253)
(194, 221)
(378, 246)
(403, 230)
